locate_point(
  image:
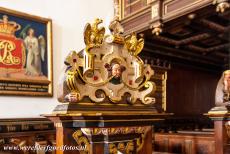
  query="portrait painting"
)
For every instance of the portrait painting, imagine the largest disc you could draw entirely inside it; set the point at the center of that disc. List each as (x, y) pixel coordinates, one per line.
(25, 54)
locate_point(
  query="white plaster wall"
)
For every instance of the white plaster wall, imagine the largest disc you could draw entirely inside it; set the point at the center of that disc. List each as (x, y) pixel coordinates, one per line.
(69, 18)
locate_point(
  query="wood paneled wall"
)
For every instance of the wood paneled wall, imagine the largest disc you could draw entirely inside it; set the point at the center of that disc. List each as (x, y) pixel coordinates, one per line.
(190, 91)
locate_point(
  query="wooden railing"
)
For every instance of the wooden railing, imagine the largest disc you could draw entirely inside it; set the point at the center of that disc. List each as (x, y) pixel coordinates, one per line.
(185, 142)
(22, 136)
(140, 15)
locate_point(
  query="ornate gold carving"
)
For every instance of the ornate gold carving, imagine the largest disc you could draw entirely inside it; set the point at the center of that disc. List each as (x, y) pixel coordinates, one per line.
(93, 35)
(141, 140)
(82, 141)
(222, 5)
(123, 147)
(114, 130)
(74, 95)
(112, 149)
(130, 147)
(107, 68)
(133, 45)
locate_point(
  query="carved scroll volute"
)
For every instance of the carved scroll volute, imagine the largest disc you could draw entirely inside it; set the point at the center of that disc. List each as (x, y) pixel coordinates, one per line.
(88, 65)
(138, 71)
(83, 141)
(134, 47)
(71, 75)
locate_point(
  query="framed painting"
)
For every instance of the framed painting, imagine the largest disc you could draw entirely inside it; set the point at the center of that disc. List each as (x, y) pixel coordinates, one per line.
(25, 54)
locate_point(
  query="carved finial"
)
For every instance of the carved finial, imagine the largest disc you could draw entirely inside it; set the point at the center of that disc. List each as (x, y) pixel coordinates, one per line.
(93, 34)
(222, 5)
(117, 30)
(157, 29)
(115, 27)
(134, 45)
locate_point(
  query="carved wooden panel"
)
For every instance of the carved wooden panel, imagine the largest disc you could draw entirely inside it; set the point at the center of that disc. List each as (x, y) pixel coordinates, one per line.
(135, 22)
(160, 78)
(190, 91)
(184, 143)
(132, 6)
(176, 8)
(160, 68)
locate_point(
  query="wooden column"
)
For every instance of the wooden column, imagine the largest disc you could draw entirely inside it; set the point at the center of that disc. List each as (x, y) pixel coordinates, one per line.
(220, 136)
(221, 118)
(147, 147)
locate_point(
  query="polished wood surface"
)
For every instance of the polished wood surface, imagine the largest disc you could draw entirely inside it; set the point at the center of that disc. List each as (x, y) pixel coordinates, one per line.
(221, 129)
(189, 143)
(190, 91)
(195, 39)
(220, 137)
(64, 138)
(191, 31)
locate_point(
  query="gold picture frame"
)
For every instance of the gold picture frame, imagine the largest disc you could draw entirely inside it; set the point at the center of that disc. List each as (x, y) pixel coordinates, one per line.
(25, 54)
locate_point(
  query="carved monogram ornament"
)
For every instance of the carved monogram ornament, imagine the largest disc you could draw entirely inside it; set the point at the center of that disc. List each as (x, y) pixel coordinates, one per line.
(128, 146)
(109, 68)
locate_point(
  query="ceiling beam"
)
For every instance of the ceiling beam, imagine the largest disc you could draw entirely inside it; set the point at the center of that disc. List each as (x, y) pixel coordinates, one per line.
(183, 41)
(167, 51)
